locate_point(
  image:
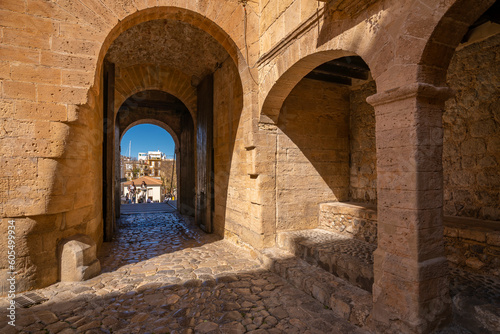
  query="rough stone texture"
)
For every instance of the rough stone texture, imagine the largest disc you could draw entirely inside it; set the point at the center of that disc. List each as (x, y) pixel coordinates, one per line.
(189, 49)
(231, 206)
(51, 133)
(363, 157)
(355, 220)
(163, 275)
(473, 244)
(78, 259)
(471, 123)
(345, 300)
(312, 152)
(347, 258)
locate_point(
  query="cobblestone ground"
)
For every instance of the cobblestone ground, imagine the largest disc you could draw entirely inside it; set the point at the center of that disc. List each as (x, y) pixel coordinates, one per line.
(161, 275)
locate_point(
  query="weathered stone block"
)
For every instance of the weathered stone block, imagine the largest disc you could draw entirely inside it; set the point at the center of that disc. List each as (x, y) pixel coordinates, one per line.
(77, 259)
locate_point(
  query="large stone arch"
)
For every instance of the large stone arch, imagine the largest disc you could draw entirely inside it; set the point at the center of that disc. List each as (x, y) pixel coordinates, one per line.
(409, 108)
(444, 37)
(63, 95)
(218, 21)
(139, 78)
(289, 79)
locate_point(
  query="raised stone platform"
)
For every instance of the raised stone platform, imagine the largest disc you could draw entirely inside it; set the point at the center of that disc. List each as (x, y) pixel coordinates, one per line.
(347, 258)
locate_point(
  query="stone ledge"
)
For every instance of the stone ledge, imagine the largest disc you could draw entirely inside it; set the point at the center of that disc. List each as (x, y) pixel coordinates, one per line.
(483, 231)
(361, 210)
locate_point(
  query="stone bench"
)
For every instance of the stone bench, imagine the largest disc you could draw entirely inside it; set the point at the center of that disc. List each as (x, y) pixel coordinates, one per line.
(473, 243)
(78, 259)
(470, 243)
(355, 220)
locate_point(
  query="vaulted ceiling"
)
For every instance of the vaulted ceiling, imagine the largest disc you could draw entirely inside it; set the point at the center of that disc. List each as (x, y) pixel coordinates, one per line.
(168, 43)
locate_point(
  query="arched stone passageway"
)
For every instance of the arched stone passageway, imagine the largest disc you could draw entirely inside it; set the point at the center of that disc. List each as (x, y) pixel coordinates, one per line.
(168, 112)
(153, 56)
(261, 125)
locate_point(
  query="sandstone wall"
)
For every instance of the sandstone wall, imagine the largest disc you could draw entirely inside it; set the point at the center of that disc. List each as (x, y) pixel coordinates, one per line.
(280, 17)
(64, 177)
(312, 152)
(363, 178)
(231, 201)
(471, 122)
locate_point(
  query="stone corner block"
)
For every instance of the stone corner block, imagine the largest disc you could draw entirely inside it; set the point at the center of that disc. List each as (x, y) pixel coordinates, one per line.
(78, 259)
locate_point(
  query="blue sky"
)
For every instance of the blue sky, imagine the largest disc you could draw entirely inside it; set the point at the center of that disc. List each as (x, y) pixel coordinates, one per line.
(147, 137)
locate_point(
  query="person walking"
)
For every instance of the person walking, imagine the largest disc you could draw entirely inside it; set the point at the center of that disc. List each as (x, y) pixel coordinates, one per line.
(131, 190)
(144, 192)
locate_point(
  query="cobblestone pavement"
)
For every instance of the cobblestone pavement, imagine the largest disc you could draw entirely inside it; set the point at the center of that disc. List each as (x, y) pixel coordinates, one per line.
(161, 275)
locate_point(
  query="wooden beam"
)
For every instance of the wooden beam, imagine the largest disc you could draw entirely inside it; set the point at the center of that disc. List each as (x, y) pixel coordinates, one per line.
(353, 62)
(329, 78)
(343, 71)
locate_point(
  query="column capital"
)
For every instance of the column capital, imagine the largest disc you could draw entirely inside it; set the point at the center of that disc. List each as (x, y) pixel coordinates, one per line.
(418, 89)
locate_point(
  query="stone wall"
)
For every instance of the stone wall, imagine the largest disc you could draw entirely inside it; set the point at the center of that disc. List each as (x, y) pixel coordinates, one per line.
(363, 160)
(473, 244)
(312, 152)
(62, 166)
(231, 204)
(350, 219)
(471, 122)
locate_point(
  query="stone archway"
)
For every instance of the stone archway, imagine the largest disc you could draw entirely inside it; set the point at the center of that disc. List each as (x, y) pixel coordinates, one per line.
(165, 110)
(153, 55)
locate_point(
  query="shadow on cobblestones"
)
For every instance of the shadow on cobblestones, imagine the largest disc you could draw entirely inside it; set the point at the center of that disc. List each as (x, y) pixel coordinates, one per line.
(144, 236)
(255, 301)
(163, 276)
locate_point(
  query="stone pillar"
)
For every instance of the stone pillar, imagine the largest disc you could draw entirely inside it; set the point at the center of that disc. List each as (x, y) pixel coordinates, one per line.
(411, 289)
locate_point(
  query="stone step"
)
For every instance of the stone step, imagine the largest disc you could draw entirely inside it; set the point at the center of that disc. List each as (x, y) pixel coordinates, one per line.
(347, 258)
(346, 301)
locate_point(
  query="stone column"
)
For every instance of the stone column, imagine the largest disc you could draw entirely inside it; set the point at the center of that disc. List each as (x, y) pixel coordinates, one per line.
(410, 292)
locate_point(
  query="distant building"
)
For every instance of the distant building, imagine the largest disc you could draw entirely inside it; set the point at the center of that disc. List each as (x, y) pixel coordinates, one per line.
(153, 164)
(155, 190)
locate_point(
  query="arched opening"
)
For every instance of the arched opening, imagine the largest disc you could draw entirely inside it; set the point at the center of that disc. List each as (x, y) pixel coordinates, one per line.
(471, 170)
(168, 112)
(147, 151)
(151, 74)
(326, 190)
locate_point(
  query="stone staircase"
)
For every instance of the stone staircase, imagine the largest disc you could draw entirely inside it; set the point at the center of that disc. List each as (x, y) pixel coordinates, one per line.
(334, 264)
(334, 268)
(344, 299)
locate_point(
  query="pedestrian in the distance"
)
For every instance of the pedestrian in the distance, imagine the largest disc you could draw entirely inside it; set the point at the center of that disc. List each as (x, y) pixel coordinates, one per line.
(131, 190)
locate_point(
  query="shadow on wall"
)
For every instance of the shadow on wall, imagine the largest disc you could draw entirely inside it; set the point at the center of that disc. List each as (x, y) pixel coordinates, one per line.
(229, 155)
(69, 174)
